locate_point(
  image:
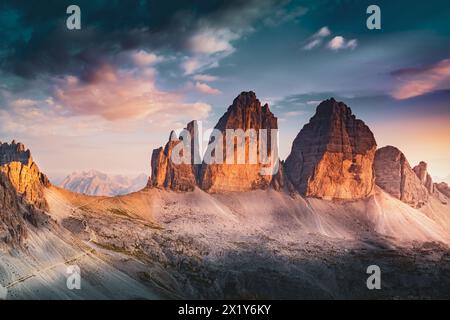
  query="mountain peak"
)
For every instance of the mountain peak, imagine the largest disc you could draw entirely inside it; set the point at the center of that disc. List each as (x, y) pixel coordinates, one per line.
(333, 107)
(245, 113)
(332, 155)
(14, 152)
(23, 173)
(395, 176)
(245, 98)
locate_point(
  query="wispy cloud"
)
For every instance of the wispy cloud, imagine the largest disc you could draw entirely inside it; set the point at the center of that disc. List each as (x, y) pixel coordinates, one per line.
(208, 46)
(293, 113)
(335, 44)
(144, 58)
(317, 38)
(205, 88)
(312, 44)
(284, 15)
(204, 77)
(323, 32)
(23, 103)
(415, 82)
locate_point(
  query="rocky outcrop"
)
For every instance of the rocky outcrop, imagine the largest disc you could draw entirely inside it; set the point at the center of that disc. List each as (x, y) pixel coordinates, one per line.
(333, 154)
(443, 188)
(23, 173)
(424, 177)
(166, 173)
(242, 168)
(395, 176)
(12, 224)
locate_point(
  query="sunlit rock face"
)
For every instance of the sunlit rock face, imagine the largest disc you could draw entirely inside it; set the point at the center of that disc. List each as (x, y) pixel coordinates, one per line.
(395, 176)
(249, 173)
(332, 156)
(12, 226)
(166, 173)
(23, 173)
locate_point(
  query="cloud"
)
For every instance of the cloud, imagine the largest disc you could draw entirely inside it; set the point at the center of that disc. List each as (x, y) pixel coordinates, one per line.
(313, 102)
(312, 44)
(210, 41)
(37, 42)
(201, 62)
(204, 88)
(317, 38)
(339, 42)
(323, 32)
(117, 95)
(204, 77)
(284, 15)
(420, 81)
(208, 47)
(143, 58)
(23, 103)
(293, 113)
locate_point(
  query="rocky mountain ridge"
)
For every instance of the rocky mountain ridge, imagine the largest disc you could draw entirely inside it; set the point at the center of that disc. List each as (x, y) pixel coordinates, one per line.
(334, 156)
(23, 173)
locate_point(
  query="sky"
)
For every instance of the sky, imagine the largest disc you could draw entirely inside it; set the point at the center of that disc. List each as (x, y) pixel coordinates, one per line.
(104, 96)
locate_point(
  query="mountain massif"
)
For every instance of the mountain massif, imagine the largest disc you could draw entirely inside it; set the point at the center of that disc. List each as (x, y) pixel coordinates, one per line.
(203, 229)
(96, 183)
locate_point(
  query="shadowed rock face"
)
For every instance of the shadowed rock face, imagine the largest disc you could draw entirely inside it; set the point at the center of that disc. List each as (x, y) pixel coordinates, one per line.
(443, 188)
(424, 177)
(395, 176)
(23, 173)
(245, 113)
(333, 154)
(168, 175)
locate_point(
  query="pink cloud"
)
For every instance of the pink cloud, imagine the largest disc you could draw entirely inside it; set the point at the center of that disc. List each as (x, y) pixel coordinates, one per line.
(116, 95)
(143, 58)
(417, 82)
(339, 42)
(204, 88)
(204, 77)
(23, 103)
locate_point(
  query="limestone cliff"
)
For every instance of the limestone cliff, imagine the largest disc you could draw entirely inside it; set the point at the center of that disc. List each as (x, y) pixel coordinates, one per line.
(333, 154)
(395, 176)
(421, 170)
(12, 225)
(242, 168)
(169, 175)
(443, 188)
(23, 173)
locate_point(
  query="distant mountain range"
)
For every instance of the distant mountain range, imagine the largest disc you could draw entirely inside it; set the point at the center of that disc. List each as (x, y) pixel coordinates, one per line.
(96, 183)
